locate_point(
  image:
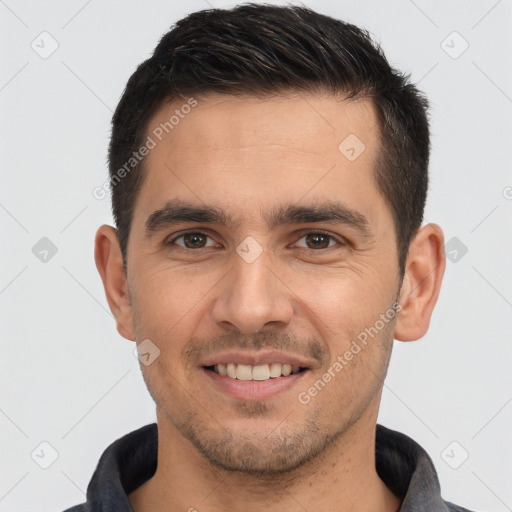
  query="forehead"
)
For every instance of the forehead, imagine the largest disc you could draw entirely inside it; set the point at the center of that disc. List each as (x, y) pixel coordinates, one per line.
(243, 150)
(317, 122)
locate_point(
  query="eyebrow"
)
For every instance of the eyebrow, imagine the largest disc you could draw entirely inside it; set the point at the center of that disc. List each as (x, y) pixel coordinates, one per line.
(176, 212)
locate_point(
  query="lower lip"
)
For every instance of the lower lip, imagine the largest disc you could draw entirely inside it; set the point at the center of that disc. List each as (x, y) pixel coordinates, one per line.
(254, 389)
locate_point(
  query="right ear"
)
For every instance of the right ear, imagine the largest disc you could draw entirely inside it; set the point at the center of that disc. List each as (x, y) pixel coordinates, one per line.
(109, 262)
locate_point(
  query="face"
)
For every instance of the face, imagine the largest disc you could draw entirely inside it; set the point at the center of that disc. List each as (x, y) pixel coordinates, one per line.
(258, 248)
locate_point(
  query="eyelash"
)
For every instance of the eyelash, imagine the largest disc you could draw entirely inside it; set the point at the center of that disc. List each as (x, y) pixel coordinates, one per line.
(340, 240)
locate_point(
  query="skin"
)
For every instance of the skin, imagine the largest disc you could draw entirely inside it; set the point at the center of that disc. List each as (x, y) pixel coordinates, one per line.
(249, 156)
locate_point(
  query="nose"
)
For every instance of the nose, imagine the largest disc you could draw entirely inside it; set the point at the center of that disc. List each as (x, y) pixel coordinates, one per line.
(252, 296)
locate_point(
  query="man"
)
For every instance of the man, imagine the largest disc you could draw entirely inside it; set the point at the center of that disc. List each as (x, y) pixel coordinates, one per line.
(269, 174)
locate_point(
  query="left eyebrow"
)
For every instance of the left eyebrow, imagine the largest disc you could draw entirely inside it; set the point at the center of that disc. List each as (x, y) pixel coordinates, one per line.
(332, 212)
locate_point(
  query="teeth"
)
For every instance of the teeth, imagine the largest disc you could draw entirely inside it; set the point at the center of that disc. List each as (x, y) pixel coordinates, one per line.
(244, 372)
(259, 372)
(231, 370)
(275, 370)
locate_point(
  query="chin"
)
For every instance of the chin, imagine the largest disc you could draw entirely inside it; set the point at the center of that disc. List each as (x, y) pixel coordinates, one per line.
(270, 451)
(258, 458)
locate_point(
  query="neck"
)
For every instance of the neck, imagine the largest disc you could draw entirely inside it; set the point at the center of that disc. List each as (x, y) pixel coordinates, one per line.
(344, 479)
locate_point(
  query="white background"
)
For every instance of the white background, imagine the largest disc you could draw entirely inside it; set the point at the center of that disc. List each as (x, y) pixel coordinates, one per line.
(68, 378)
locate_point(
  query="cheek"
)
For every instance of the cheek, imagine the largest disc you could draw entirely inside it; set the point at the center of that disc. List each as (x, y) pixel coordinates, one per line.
(168, 295)
(341, 306)
(171, 305)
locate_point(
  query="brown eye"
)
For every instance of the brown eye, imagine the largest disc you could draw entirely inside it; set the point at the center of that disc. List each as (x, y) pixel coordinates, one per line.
(193, 240)
(318, 241)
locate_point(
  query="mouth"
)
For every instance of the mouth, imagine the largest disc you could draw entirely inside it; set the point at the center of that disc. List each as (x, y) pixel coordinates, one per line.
(260, 372)
(255, 376)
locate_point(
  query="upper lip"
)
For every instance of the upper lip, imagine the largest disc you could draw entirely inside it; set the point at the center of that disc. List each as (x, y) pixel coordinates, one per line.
(256, 358)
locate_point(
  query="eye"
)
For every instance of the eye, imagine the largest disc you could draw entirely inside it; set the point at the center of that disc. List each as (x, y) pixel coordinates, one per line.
(318, 240)
(192, 240)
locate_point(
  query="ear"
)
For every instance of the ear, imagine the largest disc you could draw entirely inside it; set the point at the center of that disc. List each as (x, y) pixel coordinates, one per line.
(109, 262)
(424, 270)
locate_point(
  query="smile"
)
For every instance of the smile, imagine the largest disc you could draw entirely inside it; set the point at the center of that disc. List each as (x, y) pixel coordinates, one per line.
(254, 382)
(255, 372)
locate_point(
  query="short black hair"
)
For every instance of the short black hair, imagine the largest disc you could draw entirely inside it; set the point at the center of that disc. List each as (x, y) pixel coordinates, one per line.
(262, 50)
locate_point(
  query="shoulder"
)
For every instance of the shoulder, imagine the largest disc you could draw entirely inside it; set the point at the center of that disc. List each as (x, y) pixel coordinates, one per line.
(455, 508)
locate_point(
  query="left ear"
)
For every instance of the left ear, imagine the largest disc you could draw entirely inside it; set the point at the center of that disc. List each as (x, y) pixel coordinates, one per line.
(424, 270)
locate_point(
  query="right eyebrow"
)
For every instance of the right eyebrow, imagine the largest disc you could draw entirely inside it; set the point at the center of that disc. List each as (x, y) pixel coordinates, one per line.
(175, 212)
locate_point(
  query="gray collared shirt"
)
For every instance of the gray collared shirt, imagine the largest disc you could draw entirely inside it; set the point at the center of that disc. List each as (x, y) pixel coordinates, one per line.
(126, 464)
